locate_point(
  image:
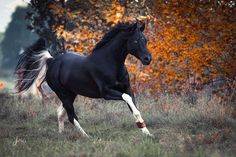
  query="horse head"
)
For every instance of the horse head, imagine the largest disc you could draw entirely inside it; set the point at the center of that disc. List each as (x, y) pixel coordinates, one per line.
(137, 44)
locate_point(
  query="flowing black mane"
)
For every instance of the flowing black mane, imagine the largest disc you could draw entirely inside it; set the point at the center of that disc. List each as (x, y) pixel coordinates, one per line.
(111, 34)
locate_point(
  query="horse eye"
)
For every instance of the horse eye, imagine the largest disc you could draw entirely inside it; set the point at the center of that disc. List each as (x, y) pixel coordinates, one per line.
(135, 41)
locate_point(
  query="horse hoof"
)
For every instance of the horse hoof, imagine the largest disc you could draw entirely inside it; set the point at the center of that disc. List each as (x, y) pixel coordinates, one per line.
(151, 135)
(87, 136)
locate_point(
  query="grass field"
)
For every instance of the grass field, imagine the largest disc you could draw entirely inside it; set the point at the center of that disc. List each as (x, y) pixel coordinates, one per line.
(28, 128)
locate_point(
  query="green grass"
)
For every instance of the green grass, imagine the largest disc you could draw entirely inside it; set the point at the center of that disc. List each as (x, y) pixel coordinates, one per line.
(29, 128)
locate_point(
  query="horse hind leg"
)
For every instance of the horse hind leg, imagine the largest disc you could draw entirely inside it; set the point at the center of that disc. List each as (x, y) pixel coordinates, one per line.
(61, 113)
(77, 125)
(68, 106)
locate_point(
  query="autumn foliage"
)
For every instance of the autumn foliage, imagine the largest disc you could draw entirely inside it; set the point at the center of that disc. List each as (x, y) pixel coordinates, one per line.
(1, 85)
(192, 42)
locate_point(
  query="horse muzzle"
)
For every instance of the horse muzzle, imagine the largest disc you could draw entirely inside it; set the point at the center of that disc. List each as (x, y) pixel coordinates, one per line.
(146, 60)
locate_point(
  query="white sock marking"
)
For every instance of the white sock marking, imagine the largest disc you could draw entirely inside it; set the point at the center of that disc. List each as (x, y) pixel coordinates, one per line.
(129, 100)
(136, 112)
(77, 125)
(146, 131)
(61, 112)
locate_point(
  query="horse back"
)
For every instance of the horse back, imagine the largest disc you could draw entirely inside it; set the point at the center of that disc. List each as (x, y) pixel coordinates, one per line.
(70, 72)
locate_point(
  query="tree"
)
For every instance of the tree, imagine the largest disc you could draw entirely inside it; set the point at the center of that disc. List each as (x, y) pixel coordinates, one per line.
(1, 37)
(16, 37)
(192, 42)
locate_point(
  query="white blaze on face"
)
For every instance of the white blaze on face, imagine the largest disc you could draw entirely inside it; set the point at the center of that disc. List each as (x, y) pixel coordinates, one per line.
(127, 98)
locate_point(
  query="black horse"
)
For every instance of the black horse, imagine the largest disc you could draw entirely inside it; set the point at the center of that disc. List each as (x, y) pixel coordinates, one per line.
(102, 74)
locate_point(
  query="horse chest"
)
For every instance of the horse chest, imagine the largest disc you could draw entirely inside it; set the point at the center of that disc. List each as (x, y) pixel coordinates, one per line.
(116, 81)
(113, 79)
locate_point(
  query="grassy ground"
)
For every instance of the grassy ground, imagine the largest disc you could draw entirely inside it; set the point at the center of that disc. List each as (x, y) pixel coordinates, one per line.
(29, 128)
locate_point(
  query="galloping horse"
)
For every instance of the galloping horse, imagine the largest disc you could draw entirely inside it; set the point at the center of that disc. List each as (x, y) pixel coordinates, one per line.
(102, 74)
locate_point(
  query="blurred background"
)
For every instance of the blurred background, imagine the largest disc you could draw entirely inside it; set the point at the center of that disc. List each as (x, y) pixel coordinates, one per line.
(14, 34)
(187, 95)
(14, 37)
(192, 43)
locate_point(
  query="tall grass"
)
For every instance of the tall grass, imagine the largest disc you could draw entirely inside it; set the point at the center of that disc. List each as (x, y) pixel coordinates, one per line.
(28, 127)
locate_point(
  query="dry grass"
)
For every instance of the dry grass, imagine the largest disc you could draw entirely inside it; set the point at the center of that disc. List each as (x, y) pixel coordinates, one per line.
(207, 128)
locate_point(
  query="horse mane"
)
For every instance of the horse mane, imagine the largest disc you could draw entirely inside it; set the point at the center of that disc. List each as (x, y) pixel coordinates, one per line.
(111, 34)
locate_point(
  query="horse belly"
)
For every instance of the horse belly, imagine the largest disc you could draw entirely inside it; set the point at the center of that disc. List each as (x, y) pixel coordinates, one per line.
(90, 94)
(85, 87)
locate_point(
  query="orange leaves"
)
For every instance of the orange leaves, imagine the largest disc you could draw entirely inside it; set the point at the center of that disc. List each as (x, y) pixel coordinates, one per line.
(1, 85)
(115, 13)
(185, 38)
(56, 9)
(184, 42)
(218, 136)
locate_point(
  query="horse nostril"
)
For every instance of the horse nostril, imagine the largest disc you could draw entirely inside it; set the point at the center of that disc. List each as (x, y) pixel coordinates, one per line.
(147, 59)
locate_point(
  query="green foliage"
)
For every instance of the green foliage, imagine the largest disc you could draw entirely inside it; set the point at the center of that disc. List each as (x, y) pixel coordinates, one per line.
(16, 37)
(1, 38)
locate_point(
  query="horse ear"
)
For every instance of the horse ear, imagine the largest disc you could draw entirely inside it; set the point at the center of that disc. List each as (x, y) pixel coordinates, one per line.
(142, 27)
(133, 27)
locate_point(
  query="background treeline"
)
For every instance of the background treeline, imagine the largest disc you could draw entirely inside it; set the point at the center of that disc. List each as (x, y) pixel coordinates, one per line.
(192, 42)
(15, 38)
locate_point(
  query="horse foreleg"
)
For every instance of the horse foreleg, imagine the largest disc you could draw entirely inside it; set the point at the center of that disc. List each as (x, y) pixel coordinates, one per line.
(117, 95)
(139, 120)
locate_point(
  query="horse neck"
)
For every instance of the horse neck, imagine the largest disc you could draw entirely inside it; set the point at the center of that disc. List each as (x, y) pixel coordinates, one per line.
(115, 51)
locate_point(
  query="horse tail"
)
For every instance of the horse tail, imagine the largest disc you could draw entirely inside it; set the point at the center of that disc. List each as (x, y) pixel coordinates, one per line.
(31, 66)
